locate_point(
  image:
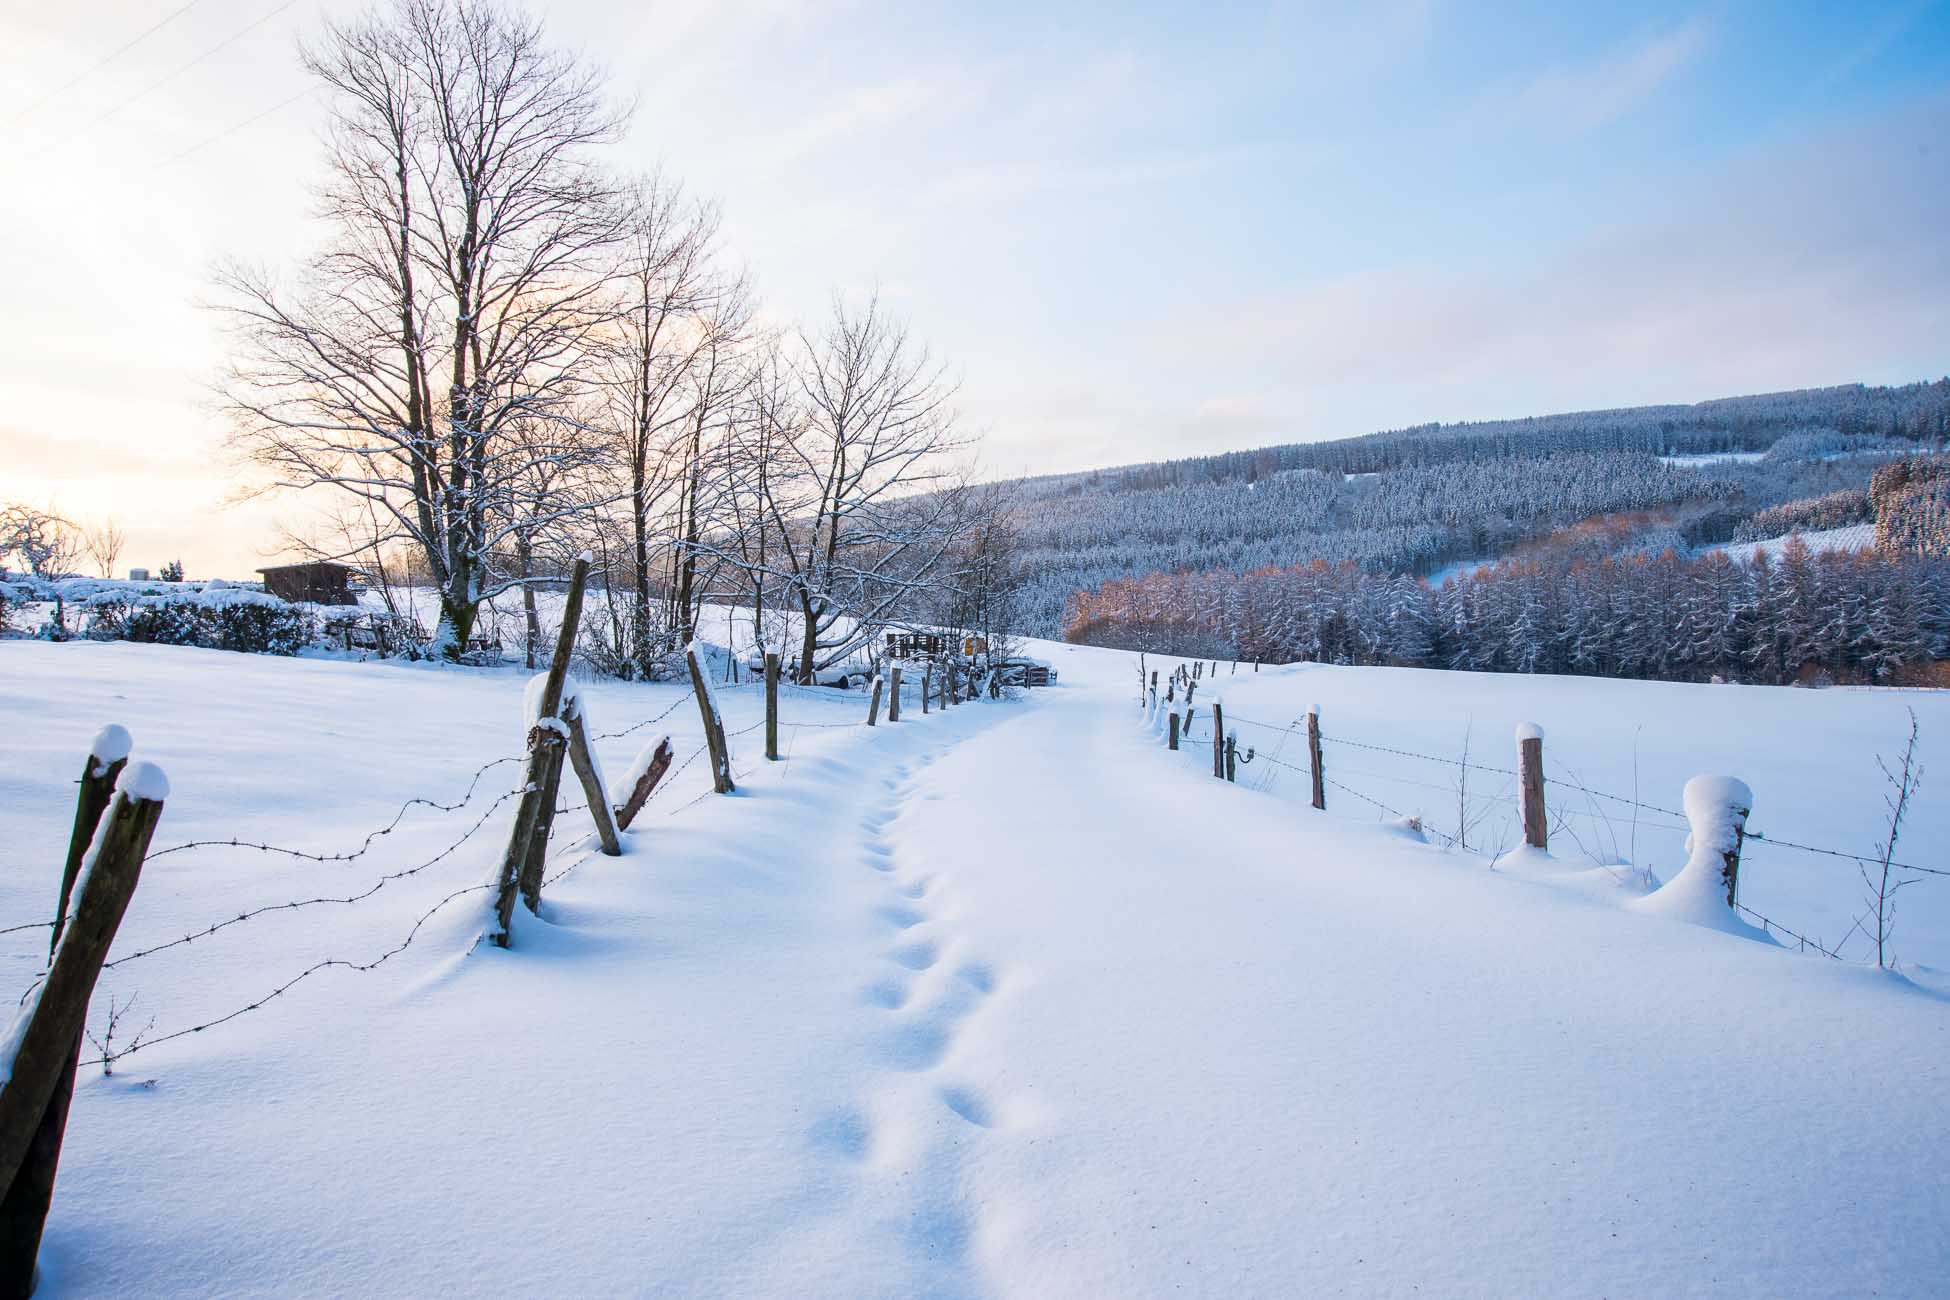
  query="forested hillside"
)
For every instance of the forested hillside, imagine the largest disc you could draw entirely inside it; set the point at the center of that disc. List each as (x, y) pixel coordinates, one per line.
(1407, 501)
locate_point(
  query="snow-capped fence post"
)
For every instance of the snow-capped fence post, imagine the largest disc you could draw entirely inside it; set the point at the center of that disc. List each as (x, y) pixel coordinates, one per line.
(45, 1047)
(1313, 757)
(707, 707)
(546, 738)
(1171, 739)
(772, 705)
(873, 704)
(1219, 739)
(648, 769)
(591, 777)
(107, 756)
(1530, 783)
(894, 694)
(1707, 889)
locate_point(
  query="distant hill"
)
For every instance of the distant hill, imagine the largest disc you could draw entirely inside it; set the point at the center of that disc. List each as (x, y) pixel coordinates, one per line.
(1410, 500)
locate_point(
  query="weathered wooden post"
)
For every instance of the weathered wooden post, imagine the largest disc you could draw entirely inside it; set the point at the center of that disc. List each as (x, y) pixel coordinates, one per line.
(108, 754)
(47, 1043)
(772, 705)
(1172, 739)
(590, 775)
(649, 768)
(1218, 738)
(546, 740)
(1530, 784)
(1232, 756)
(707, 707)
(894, 694)
(1313, 756)
(873, 704)
(927, 678)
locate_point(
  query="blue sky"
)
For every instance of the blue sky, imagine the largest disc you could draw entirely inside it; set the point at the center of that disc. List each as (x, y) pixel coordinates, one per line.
(1131, 232)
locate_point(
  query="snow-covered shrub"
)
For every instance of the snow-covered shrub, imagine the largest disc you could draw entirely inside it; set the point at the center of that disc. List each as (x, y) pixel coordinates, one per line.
(227, 619)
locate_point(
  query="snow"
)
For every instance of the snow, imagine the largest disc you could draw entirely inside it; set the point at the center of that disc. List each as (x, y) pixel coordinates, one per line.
(1006, 1000)
(1529, 731)
(143, 781)
(1853, 537)
(1695, 459)
(531, 698)
(1717, 807)
(110, 746)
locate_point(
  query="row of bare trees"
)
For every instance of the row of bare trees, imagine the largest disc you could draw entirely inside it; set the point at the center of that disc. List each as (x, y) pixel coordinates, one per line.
(45, 543)
(504, 355)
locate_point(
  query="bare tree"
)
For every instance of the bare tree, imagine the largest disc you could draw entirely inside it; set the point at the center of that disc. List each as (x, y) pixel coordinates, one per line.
(104, 544)
(866, 499)
(1885, 876)
(433, 353)
(666, 282)
(41, 540)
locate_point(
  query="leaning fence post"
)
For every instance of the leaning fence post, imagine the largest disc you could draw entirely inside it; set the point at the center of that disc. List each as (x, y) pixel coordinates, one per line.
(108, 754)
(545, 739)
(894, 694)
(873, 704)
(707, 707)
(1313, 756)
(590, 775)
(1530, 783)
(47, 1044)
(649, 768)
(772, 705)
(1172, 739)
(1218, 738)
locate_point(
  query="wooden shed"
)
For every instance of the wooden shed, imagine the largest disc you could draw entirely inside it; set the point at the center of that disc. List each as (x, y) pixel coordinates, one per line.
(320, 582)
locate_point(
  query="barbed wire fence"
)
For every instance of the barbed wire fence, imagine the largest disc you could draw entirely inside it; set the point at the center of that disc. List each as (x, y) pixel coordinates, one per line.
(567, 862)
(1196, 719)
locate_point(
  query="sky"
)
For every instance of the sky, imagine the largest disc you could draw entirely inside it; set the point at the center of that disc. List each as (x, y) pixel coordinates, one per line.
(1130, 232)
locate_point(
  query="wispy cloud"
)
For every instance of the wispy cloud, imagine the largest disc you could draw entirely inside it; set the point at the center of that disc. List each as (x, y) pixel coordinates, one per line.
(1582, 95)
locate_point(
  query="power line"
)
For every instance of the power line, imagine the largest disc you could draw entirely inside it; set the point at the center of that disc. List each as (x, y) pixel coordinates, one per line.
(99, 64)
(168, 77)
(229, 131)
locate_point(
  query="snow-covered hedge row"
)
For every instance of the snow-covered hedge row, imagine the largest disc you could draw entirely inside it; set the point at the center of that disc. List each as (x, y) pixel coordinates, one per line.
(215, 615)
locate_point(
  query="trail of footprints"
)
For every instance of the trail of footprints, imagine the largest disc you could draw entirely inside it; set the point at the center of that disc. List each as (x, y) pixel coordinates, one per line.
(927, 1005)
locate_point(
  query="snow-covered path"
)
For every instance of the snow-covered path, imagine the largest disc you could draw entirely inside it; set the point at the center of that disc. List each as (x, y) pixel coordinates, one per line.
(1007, 1002)
(1232, 1050)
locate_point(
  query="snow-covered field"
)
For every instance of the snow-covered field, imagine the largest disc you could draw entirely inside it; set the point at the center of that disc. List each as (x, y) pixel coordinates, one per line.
(1006, 1001)
(1854, 537)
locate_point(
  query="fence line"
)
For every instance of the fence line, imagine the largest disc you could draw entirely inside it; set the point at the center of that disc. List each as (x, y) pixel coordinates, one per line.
(1192, 710)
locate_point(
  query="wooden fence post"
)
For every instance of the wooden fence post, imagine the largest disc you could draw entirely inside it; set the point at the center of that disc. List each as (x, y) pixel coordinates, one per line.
(927, 681)
(1172, 738)
(590, 776)
(707, 707)
(107, 756)
(894, 694)
(529, 879)
(1313, 756)
(873, 705)
(649, 767)
(1530, 784)
(546, 737)
(1232, 756)
(40, 1078)
(1218, 738)
(772, 705)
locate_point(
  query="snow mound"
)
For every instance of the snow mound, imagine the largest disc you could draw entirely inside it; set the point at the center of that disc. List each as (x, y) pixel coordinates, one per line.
(1529, 731)
(1717, 807)
(531, 698)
